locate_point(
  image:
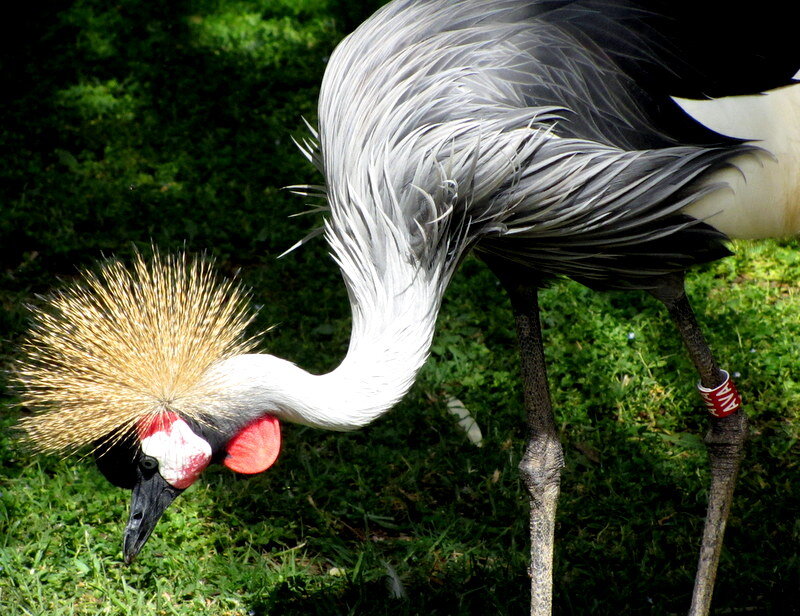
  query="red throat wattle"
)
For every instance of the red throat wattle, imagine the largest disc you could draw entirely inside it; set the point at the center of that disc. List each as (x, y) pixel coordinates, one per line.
(256, 447)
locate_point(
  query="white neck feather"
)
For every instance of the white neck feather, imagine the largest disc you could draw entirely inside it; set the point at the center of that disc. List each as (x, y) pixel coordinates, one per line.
(391, 337)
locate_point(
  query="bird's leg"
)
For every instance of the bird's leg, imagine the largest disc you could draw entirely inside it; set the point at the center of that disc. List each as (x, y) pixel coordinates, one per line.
(724, 441)
(543, 459)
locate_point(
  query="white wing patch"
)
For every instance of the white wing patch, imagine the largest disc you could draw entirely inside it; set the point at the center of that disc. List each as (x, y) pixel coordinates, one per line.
(764, 196)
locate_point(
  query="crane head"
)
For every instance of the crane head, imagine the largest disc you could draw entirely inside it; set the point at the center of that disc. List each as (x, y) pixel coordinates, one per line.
(123, 361)
(167, 455)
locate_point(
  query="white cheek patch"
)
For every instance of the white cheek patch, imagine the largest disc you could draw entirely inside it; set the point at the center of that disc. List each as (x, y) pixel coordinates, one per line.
(181, 454)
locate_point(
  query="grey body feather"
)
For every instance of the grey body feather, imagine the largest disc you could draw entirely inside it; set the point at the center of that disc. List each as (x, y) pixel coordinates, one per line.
(496, 125)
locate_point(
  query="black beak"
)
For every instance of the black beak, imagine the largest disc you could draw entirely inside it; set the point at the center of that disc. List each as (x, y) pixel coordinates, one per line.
(151, 497)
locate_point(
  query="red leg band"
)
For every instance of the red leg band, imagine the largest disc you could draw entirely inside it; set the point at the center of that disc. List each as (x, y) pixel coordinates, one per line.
(722, 400)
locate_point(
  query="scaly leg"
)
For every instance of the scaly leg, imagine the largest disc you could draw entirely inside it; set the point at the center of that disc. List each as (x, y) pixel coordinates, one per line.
(724, 441)
(543, 459)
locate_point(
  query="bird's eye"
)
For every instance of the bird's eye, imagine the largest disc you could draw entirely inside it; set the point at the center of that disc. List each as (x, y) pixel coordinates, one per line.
(149, 463)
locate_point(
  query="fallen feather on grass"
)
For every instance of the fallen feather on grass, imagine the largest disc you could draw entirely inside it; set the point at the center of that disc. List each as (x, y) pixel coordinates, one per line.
(395, 584)
(465, 421)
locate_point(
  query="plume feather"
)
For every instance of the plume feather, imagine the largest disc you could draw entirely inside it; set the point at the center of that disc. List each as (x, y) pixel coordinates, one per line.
(124, 345)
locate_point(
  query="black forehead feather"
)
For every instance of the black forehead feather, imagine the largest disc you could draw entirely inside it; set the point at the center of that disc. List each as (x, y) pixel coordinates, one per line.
(117, 460)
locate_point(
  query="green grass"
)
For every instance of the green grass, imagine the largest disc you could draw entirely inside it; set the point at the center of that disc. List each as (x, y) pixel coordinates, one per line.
(135, 122)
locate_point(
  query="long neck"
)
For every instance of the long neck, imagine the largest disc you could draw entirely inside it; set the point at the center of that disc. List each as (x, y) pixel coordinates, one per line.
(389, 343)
(393, 324)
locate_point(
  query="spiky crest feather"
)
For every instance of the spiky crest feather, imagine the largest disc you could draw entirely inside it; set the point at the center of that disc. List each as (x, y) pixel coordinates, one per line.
(124, 345)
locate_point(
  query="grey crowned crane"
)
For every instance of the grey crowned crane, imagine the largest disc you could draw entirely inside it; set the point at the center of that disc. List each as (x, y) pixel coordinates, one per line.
(576, 138)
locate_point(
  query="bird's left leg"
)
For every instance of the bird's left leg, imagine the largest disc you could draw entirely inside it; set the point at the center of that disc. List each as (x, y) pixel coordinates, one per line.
(543, 460)
(724, 441)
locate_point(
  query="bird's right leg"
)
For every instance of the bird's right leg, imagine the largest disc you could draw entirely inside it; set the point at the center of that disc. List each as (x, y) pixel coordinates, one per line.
(543, 459)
